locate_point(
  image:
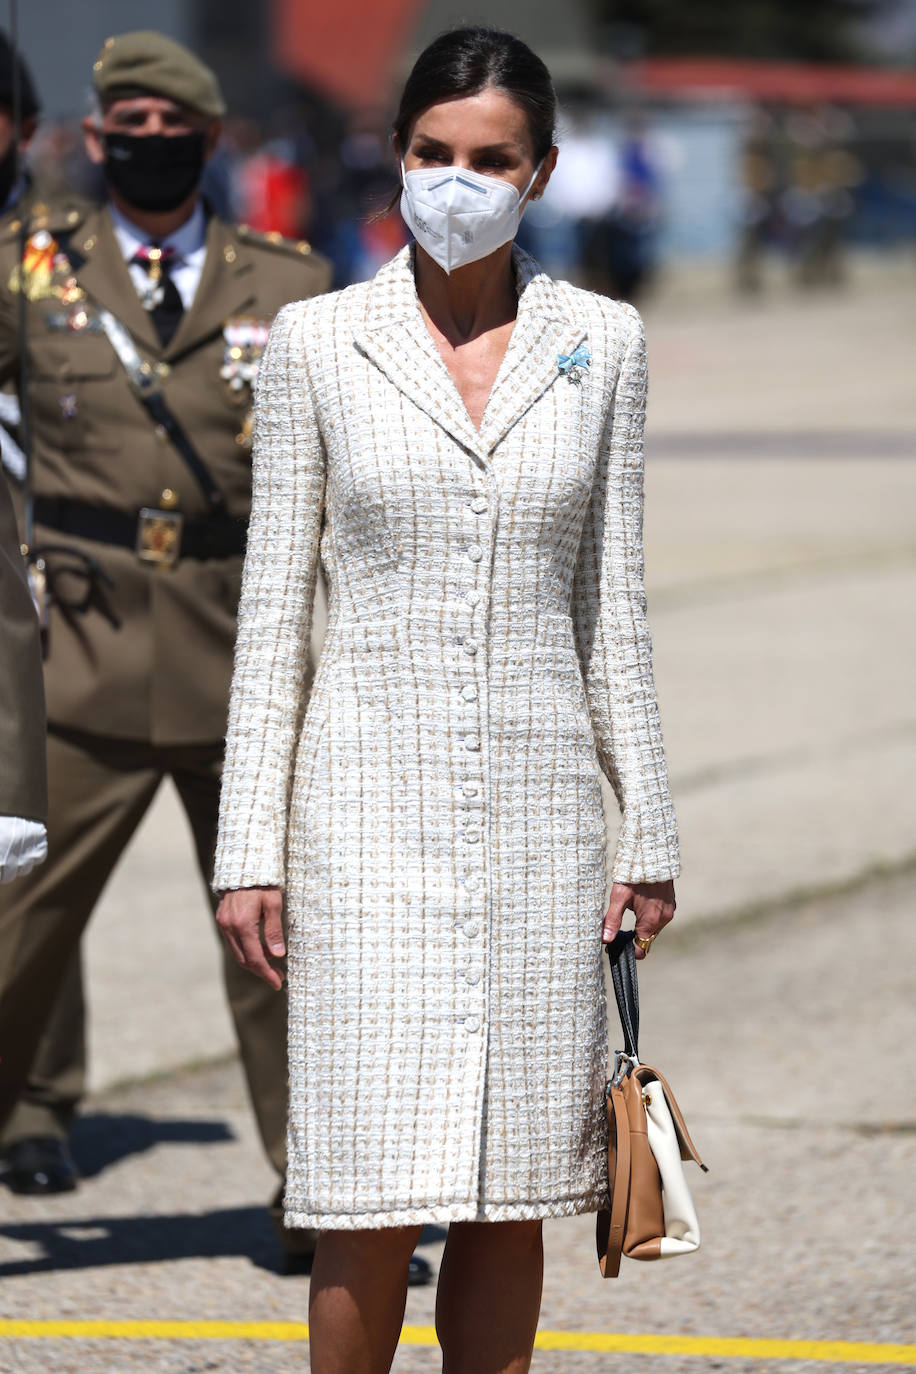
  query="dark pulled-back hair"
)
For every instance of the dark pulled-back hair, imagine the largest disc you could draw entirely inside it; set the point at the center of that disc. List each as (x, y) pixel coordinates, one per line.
(467, 61)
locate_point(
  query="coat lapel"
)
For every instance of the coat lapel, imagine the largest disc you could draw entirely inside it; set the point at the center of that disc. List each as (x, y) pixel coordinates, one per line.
(101, 271)
(395, 337)
(543, 330)
(226, 288)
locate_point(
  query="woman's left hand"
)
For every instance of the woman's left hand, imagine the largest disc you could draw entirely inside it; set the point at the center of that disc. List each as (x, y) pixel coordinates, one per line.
(653, 903)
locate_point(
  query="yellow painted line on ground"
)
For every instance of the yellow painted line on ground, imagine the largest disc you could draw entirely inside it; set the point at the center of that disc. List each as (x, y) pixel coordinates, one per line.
(828, 1352)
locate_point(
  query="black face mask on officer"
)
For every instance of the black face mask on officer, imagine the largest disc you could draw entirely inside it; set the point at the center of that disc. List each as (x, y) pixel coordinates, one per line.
(155, 171)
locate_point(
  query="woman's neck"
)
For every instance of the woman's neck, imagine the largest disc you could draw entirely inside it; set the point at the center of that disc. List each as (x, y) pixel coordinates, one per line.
(473, 299)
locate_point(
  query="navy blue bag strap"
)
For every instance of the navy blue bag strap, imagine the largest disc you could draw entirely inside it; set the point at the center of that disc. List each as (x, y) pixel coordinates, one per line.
(622, 960)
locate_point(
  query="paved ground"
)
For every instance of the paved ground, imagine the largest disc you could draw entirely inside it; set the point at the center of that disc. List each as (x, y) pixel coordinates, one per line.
(782, 576)
(789, 1039)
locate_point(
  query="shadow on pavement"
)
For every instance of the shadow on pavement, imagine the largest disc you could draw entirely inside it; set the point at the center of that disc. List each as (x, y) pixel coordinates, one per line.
(94, 1242)
(102, 1139)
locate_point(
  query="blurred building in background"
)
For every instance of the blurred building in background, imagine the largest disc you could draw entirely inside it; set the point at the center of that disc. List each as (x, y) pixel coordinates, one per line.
(677, 144)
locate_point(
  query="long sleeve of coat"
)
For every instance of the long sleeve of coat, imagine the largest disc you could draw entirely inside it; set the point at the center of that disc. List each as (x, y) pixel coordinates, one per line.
(613, 637)
(274, 615)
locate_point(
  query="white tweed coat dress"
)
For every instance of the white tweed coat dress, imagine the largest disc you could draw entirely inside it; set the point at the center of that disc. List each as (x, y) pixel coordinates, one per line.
(435, 814)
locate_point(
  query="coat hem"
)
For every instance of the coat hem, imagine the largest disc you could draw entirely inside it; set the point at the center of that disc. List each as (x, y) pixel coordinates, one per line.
(440, 1214)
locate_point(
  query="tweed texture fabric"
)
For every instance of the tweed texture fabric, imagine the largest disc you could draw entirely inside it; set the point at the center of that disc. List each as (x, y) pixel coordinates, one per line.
(436, 817)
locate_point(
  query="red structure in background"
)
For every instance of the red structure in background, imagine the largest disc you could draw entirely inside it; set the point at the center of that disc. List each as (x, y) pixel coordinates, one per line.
(274, 195)
(784, 83)
(347, 51)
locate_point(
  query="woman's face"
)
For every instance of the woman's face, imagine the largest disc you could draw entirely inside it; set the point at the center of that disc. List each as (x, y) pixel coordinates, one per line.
(486, 133)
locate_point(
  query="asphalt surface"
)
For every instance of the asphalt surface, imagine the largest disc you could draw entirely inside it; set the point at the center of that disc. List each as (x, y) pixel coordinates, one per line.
(781, 556)
(789, 1041)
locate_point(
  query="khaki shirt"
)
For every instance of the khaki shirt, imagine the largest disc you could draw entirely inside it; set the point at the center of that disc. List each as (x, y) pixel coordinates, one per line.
(151, 657)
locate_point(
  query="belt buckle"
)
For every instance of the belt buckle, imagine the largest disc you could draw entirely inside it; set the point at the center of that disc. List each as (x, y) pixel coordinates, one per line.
(159, 536)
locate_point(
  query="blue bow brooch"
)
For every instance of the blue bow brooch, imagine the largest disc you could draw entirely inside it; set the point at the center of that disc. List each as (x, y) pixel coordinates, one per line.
(572, 365)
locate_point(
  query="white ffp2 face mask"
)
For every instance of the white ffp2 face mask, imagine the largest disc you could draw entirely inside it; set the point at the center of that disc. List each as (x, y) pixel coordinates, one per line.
(460, 216)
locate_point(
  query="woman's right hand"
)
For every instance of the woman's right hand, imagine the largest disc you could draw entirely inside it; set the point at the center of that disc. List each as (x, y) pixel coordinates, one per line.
(251, 920)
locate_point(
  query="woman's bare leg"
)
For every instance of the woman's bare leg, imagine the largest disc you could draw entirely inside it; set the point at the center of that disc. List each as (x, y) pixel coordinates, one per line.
(357, 1298)
(489, 1296)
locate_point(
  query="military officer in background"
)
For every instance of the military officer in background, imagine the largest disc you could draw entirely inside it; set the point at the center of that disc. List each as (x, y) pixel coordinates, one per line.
(23, 793)
(145, 321)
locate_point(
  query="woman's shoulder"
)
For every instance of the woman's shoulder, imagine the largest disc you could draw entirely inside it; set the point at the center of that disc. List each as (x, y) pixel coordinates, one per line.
(613, 317)
(321, 312)
(604, 319)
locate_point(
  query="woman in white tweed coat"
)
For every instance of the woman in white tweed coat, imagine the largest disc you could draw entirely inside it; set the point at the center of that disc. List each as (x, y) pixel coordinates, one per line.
(463, 453)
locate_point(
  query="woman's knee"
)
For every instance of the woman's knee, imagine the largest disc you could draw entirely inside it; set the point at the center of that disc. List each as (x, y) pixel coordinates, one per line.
(521, 1236)
(388, 1247)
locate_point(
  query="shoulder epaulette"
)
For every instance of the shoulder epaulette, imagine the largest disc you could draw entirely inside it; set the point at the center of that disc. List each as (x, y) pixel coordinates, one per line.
(63, 217)
(296, 248)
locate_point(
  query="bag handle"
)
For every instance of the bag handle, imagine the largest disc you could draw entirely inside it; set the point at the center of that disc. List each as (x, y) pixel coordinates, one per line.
(622, 959)
(611, 1226)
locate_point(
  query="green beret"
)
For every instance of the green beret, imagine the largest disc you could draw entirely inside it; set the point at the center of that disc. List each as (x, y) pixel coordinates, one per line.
(150, 62)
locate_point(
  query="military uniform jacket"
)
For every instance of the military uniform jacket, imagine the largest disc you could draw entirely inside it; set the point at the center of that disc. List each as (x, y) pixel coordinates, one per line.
(151, 657)
(22, 716)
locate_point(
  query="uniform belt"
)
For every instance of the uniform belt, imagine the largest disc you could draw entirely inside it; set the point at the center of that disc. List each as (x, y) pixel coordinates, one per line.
(206, 537)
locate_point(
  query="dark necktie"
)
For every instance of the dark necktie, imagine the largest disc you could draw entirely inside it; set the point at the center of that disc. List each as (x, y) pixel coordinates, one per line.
(161, 296)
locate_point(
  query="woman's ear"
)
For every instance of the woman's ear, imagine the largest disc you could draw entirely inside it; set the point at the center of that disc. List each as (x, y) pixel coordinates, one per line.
(550, 161)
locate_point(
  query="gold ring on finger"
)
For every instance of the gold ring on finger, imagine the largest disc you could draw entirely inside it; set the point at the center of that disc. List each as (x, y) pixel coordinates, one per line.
(644, 942)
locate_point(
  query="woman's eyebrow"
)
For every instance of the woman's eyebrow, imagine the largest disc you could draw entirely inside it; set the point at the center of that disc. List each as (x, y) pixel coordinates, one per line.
(428, 142)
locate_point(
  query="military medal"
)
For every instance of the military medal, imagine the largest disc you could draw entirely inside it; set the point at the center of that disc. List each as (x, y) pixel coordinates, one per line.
(245, 338)
(71, 291)
(153, 292)
(33, 275)
(575, 365)
(155, 260)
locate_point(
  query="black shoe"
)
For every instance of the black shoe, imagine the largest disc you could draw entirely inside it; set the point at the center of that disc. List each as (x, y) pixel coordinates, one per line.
(41, 1164)
(298, 1262)
(419, 1272)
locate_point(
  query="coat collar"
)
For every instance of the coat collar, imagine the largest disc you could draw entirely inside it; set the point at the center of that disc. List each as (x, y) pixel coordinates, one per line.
(395, 337)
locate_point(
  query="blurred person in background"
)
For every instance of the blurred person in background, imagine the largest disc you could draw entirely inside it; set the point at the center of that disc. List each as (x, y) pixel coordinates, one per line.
(759, 184)
(818, 201)
(19, 196)
(568, 228)
(146, 319)
(23, 787)
(14, 182)
(630, 235)
(23, 790)
(459, 443)
(357, 185)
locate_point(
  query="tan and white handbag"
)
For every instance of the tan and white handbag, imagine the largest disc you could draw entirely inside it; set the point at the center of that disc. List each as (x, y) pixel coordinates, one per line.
(650, 1213)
